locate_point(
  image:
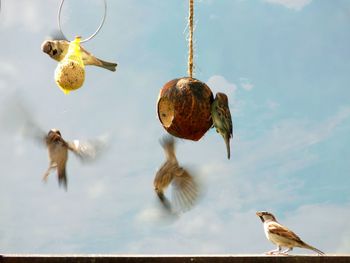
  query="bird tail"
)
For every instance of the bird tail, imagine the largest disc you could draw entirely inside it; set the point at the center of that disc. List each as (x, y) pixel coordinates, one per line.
(62, 177)
(168, 144)
(227, 142)
(314, 249)
(108, 65)
(165, 202)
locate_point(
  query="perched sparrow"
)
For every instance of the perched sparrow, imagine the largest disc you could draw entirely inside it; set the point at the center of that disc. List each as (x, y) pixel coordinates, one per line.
(185, 189)
(220, 113)
(58, 153)
(281, 236)
(57, 49)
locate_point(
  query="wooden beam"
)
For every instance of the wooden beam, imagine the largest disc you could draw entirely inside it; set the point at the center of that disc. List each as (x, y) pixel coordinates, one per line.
(14, 258)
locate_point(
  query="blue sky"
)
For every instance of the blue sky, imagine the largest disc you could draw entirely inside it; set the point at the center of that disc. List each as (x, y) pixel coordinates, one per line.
(282, 63)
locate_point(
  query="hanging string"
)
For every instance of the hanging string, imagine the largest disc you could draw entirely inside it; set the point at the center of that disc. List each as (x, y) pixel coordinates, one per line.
(95, 33)
(190, 40)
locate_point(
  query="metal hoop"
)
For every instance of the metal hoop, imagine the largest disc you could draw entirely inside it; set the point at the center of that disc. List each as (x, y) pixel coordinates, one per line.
(94, 34)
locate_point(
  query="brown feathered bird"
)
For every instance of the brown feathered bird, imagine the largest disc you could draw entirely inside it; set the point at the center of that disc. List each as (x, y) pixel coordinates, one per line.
(17, 117)
(58, 153)
(57, 50)
(221, 116)
(185, 189)
(281, 235)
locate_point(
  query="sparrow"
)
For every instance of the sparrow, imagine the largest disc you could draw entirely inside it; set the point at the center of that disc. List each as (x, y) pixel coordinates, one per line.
(57, 49)
(58, 153)
(17, 117)
(185, 189)
(221, 116)
(281, 235)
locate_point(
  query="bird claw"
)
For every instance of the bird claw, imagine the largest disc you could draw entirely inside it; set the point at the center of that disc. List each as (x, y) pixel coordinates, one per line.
(276, 253)
(45, 178)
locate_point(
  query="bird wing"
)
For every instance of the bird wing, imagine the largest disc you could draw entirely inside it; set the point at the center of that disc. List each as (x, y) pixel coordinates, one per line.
(226, 116)
(91, 59)
(222, 111)
(16, 117)
(164, 176)
(168, 144)
(278, 229)
(185, 189)
(88, 150)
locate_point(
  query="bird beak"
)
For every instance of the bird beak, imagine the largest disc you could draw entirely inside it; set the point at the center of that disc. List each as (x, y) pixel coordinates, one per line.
(46, 47)
(260, 215)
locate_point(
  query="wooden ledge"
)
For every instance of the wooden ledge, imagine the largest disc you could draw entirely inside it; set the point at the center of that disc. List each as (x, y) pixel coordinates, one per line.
(32, 258)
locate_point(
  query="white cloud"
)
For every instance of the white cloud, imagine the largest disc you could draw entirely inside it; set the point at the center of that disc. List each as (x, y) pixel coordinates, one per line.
(272, 105)
(307, 220)
(96, 190)
(7, 73)
(218, 83)
(207, 231)
(109, 206)
(27, 14)
(7, 69)
(344, 246)
(296, 5)
(246, 84)
(235, 192)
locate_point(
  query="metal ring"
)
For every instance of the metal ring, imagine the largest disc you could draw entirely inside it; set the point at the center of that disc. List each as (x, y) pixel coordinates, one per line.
(94, 34)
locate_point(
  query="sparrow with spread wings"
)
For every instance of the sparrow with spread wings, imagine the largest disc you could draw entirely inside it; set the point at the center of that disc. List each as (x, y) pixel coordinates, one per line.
(185, 189)
(16, 117)
(58, 153)
(282, 236)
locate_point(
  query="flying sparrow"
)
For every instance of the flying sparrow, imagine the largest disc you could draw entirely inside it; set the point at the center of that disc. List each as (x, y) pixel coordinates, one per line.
(281, 236)
(17, 117)
(57, 49)
(185, 189)
(220, 113)
(58, 153)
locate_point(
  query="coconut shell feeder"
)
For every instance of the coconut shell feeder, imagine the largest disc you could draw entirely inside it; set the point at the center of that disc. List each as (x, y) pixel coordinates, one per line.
(186, 106)
(184, 103)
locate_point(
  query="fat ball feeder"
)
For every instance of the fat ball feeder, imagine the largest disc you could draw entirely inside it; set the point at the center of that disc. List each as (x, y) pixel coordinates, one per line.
(72, 58)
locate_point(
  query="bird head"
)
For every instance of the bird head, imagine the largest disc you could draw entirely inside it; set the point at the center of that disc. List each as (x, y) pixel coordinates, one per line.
(48, 47)
(54, 134)
(221, 97)
(265, 216)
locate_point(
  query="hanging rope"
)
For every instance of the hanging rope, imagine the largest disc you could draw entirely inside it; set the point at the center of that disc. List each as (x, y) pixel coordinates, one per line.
(94, 34)
(190, 40)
